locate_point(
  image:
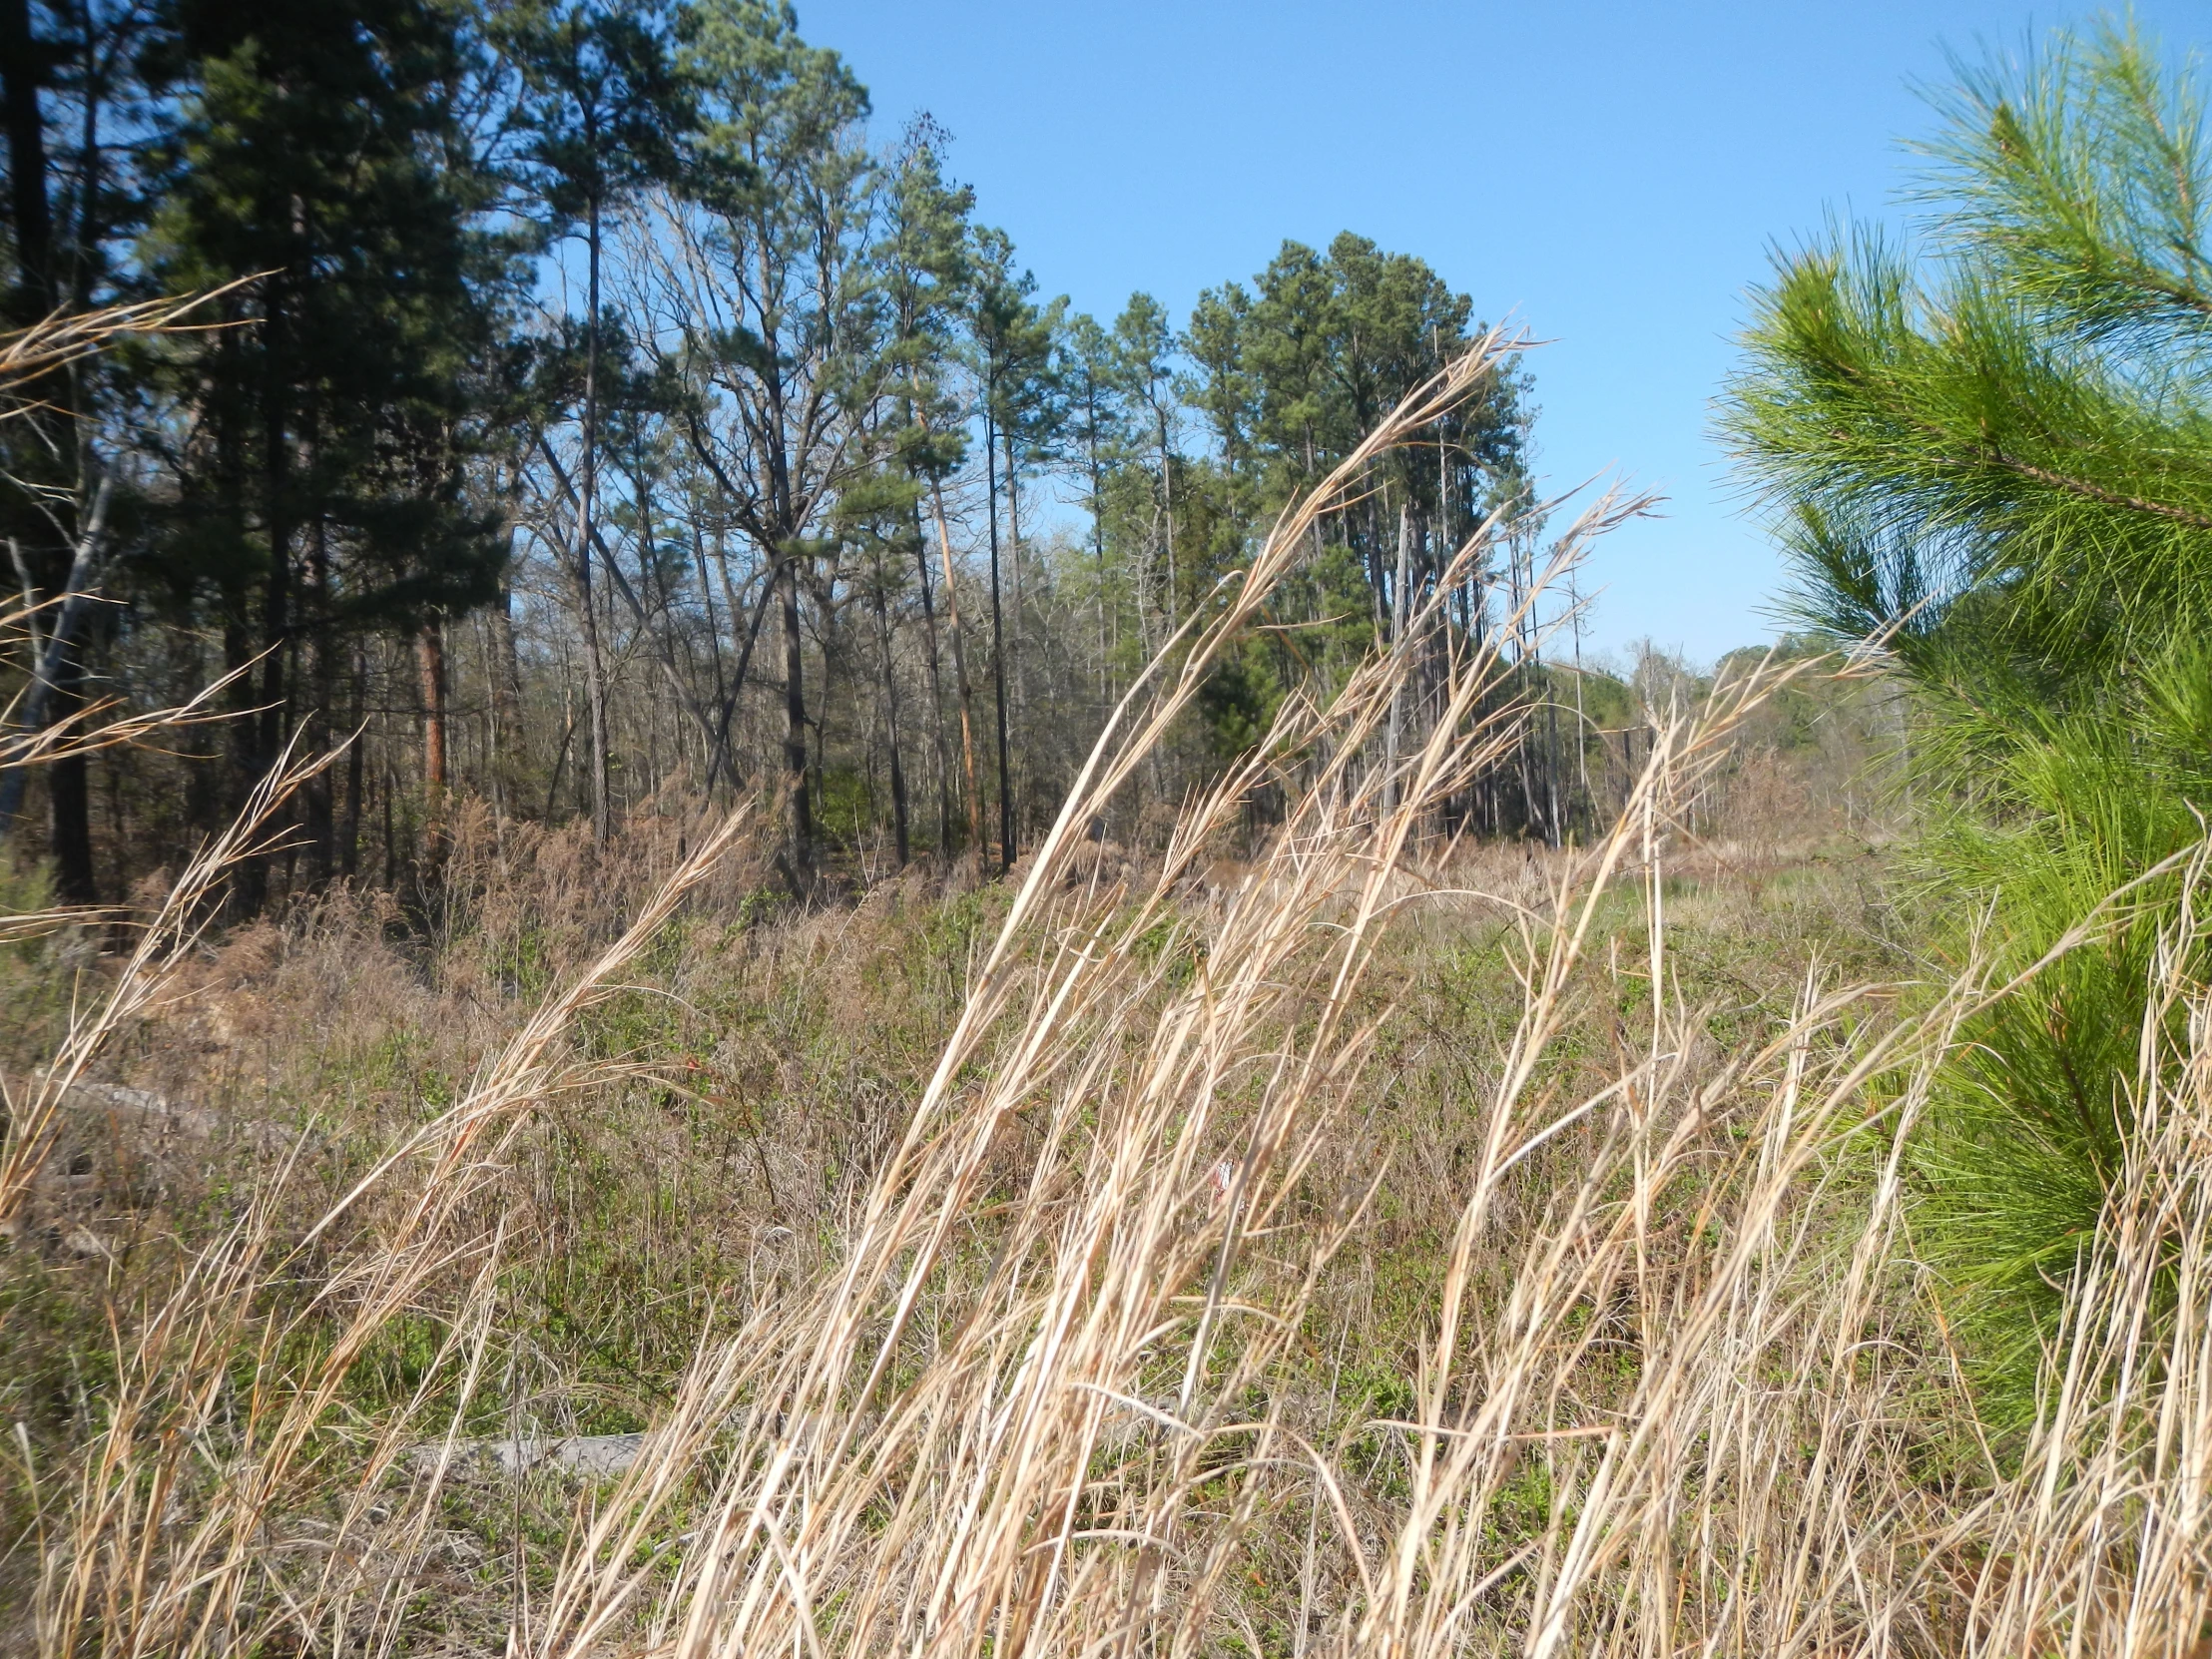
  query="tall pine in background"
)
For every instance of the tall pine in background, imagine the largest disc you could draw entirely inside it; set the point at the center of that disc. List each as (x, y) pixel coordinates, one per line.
(602, 111)
(319, 466)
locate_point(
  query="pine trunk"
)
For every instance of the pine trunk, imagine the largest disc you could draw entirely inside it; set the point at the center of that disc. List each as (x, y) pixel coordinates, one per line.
(890, 720)
(936, 693)
(1398, 659)
(959, 675)
(802, 815)
(595, 675)
(430, 660)
(999, 654)
(350, 835)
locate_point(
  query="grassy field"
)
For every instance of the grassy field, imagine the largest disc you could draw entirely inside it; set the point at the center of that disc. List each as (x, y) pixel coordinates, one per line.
(1410, 1246)
(719, 1126)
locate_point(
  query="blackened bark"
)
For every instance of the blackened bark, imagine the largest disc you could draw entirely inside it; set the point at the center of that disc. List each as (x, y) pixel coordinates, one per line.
(28, 212)
(69, 785)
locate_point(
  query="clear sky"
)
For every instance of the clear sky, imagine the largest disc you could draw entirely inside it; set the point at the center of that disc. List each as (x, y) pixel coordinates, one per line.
(1612, 175)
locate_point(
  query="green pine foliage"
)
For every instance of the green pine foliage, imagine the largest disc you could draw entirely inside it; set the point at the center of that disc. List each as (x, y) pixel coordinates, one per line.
(1215, 429)
(1991, 456)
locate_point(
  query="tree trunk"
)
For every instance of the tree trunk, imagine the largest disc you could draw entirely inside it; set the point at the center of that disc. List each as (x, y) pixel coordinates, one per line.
(829, 627)
(322, 678)
(430, 660)
(350, 835)
(1098, 540)
(595, 677)
(1167, 496)
(998, 652)
(1398, 656)
(801, 873)
(959, 674)
(708, 760)
(250, 891)
(69, 793)
(1016, 694)
(69, 784)
(29, 214)
(509, 734)
(936, 693)
(890, 717)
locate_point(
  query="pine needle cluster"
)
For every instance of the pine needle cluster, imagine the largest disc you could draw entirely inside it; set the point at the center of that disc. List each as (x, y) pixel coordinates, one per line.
(1991, 454)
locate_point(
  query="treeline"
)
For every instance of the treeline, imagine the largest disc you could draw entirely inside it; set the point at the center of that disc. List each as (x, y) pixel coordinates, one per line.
(591, 406)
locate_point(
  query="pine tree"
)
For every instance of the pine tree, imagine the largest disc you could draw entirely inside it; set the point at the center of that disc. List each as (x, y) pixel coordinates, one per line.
(1223, 388)
(69, 203)
(1992, 460)
(38, 504)
(1143, 360)
(1289, 337)
(921, 261)
(323, 484)
(605, 110)
(1013, 355)
(1096, 428)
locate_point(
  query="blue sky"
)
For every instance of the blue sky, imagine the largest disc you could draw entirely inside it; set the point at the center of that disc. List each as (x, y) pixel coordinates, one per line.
(1612, 175)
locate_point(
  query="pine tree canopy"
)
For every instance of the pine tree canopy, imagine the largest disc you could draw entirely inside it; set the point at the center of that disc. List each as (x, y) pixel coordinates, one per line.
(1993, 460)
(1999, 448)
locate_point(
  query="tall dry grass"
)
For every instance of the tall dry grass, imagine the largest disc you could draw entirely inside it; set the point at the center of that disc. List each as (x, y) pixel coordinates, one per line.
(1073, 1373)
(225, 1411)
(29, 355)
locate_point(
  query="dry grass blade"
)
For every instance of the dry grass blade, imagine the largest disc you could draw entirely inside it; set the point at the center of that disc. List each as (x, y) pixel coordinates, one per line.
(28, 355)
(99, 725)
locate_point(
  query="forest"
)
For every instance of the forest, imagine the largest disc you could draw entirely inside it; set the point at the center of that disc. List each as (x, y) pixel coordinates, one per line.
(586, 402)
(719, 935)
